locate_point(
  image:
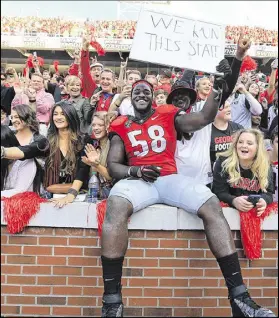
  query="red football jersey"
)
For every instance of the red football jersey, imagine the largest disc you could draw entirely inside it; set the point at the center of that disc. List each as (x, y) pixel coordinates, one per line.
(152, 142)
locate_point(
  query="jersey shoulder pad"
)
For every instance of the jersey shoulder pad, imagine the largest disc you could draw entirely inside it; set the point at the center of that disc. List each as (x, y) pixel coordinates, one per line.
(118, 122)
(167, 109)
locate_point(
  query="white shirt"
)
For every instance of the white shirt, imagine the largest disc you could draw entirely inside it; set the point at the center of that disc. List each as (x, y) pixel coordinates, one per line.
(271, 115)
(20, 178)
(126, 108)
(193, 156)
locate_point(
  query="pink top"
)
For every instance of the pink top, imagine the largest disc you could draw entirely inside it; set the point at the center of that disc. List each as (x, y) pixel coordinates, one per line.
(44, 104)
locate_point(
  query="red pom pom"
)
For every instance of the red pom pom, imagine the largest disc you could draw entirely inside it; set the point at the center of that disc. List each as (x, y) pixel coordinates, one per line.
(41, 61)
(248, 64)
(24, 71)
(29, 62)
(19, 209)
(250, 228)
(101, 213)
(55, 64)
(99, 49)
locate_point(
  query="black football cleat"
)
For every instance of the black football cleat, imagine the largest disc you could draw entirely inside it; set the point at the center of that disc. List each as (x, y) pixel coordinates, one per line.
(112, 305)
(244, 306)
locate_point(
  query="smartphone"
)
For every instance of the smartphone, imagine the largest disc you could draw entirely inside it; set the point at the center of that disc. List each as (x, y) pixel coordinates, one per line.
(254, 198)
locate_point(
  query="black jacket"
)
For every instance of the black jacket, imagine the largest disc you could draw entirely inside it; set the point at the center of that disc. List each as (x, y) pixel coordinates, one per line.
(55, 91)
(7, 95)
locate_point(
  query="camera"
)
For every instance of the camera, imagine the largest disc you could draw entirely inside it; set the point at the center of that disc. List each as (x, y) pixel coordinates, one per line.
(254, 198)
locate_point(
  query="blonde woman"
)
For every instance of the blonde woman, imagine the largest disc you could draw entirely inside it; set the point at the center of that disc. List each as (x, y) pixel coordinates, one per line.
(244, 170)
(81, 104)
(96, 156)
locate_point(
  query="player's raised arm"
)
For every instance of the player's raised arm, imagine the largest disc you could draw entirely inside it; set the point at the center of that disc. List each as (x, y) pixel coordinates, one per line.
(188, 123)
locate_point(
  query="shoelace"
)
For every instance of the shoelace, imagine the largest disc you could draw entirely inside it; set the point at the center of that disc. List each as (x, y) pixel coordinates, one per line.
(245, 298)
(112, 309)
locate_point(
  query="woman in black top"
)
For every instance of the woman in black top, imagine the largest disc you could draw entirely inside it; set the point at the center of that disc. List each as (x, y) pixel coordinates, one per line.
(64, 170)
(243, 170)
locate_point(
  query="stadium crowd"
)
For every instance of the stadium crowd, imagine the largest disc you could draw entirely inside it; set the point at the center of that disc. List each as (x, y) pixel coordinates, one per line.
(118, 29)
(149, 137)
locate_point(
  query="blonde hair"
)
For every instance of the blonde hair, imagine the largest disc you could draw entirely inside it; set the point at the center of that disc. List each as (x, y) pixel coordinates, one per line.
(105, 117)
(71, 79)
(260, 166)
(197, 85)
(129, 72)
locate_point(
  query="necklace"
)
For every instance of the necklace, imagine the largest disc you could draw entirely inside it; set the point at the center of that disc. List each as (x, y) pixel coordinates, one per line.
(104, 101)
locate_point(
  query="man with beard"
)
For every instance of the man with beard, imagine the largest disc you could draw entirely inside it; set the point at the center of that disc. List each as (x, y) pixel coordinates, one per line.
(148, 142)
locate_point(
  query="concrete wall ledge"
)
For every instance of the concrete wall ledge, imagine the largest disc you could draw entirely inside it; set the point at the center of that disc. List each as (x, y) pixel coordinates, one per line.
(156, 217)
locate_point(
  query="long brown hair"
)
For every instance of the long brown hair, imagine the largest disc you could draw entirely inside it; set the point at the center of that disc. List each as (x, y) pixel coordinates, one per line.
(75, 145)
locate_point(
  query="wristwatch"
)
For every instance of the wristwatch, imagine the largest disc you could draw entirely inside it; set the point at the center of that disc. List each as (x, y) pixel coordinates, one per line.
(73, 192)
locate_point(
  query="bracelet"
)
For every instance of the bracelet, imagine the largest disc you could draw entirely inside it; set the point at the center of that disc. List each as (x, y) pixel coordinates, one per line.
(73, 192)
(96, 163)
(129, 172)
(3, 153)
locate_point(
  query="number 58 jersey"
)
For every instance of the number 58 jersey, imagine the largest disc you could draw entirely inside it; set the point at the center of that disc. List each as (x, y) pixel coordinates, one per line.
(150, 142)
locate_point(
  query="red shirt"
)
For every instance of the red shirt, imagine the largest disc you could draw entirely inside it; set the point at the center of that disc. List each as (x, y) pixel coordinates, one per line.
(165, 87)
(152, 142)
(104, 102)
(269, 98)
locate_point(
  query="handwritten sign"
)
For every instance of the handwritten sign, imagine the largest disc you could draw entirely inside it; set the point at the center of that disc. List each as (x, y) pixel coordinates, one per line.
(176, 41)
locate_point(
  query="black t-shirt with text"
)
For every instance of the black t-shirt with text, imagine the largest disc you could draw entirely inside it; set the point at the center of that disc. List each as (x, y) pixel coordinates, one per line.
(248, 184)
(222, 139)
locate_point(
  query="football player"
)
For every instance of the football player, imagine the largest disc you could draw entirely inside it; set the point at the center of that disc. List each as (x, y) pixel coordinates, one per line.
(141, 156)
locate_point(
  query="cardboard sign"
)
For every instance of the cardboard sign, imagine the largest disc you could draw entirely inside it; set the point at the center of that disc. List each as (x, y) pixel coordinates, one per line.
(175, 41)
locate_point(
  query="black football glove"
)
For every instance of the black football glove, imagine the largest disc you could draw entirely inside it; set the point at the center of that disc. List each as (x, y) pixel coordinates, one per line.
(220, 80)
(146, 173)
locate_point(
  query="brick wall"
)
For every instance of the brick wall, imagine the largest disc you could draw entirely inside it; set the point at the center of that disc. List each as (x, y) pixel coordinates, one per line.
(56, 272)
